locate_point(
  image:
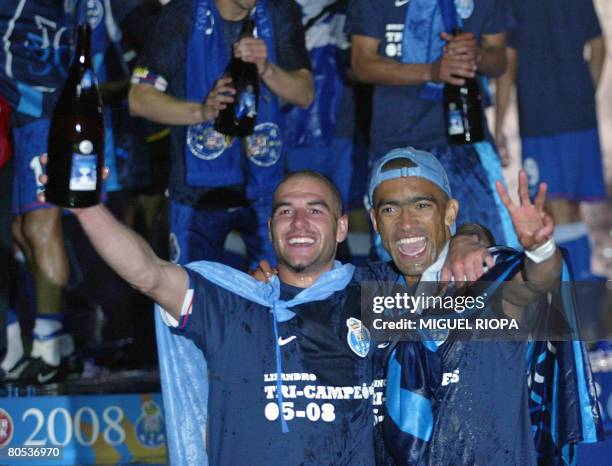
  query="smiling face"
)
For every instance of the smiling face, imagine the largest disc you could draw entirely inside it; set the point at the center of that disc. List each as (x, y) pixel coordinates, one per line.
(305, 228)
(412, 216)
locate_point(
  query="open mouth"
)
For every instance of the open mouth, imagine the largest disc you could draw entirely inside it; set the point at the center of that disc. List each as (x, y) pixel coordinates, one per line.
(412, 247)
(300, 241)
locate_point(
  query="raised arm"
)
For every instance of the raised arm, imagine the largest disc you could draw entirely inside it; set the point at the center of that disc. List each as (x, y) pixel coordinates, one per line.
(131, 257)
(534, 228)
(128, 254)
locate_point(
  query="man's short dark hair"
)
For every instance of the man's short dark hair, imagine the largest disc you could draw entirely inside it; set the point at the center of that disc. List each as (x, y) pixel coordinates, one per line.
(337, 197)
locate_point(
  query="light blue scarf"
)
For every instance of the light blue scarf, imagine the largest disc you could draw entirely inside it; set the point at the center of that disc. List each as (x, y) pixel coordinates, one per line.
(181, 382)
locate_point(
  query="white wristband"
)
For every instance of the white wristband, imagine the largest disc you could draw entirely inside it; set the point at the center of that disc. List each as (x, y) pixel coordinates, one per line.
(542, 253)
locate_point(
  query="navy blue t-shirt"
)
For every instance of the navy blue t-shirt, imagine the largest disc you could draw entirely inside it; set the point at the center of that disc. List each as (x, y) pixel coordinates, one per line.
(554, 84)
(329, 391)
(400, 117)
(166, 56)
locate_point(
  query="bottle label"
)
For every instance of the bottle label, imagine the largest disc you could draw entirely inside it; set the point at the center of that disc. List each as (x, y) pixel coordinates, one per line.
(83, 175)
(455, 121)
(88, 80)
(247, 105)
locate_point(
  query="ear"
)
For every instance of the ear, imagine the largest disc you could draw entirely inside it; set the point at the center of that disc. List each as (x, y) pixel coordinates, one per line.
(342, 228)
(452, 209)
(373, 219)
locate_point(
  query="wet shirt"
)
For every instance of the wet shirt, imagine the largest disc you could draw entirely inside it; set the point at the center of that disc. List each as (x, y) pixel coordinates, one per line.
(330, 386)
(480, 402)
(166, 57)
(554, 84)
(400, 117)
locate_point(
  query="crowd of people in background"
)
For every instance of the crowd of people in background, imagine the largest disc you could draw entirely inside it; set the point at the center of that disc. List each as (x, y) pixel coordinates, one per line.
(344, 82)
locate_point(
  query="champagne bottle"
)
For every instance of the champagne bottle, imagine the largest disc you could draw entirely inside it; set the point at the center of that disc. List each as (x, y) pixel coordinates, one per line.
(76, 136)
(238, 118)
(463, 111)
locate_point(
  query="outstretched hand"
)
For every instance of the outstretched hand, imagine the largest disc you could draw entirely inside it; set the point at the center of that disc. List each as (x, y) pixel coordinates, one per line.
(532, 224)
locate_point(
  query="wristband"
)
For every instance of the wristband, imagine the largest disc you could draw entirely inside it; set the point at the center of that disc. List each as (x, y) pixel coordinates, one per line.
(542, 253)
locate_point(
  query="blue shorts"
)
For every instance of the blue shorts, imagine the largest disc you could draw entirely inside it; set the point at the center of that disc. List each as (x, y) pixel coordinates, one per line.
(30, 142)
(334, 161)
(571, 164)
(200, 234)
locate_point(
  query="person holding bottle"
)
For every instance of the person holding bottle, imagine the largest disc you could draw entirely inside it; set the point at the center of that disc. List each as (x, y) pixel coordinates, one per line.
(217, 183)
(407, 49)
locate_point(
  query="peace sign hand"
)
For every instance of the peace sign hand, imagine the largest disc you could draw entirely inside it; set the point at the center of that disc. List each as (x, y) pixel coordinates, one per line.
(533, 226)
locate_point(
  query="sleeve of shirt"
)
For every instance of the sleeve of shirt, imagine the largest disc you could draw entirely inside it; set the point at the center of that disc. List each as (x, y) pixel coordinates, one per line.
(365, 18)
(496, 18)
(592, 28)
(206, 315)
(166, 50)
(511, 26)
(290, 43)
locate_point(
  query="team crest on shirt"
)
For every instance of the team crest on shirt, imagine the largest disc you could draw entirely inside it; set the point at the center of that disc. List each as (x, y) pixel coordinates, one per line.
(264, 145)
(358, 337)
(204, 142)
(465, 8)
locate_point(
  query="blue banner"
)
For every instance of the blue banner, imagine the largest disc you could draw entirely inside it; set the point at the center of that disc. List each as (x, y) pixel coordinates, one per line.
(87, 429)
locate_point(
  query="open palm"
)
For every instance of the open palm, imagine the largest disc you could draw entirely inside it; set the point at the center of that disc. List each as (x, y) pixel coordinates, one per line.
(532, 224)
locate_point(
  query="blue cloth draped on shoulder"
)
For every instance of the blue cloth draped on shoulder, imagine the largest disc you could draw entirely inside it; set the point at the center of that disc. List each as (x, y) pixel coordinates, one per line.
(425, 20)
(34, 57)
(562, 396)
(183, 376)
(211, 159)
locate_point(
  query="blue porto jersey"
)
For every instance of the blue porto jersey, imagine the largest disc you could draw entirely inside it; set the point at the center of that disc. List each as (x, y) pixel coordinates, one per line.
(490, 402)
(331, 390)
